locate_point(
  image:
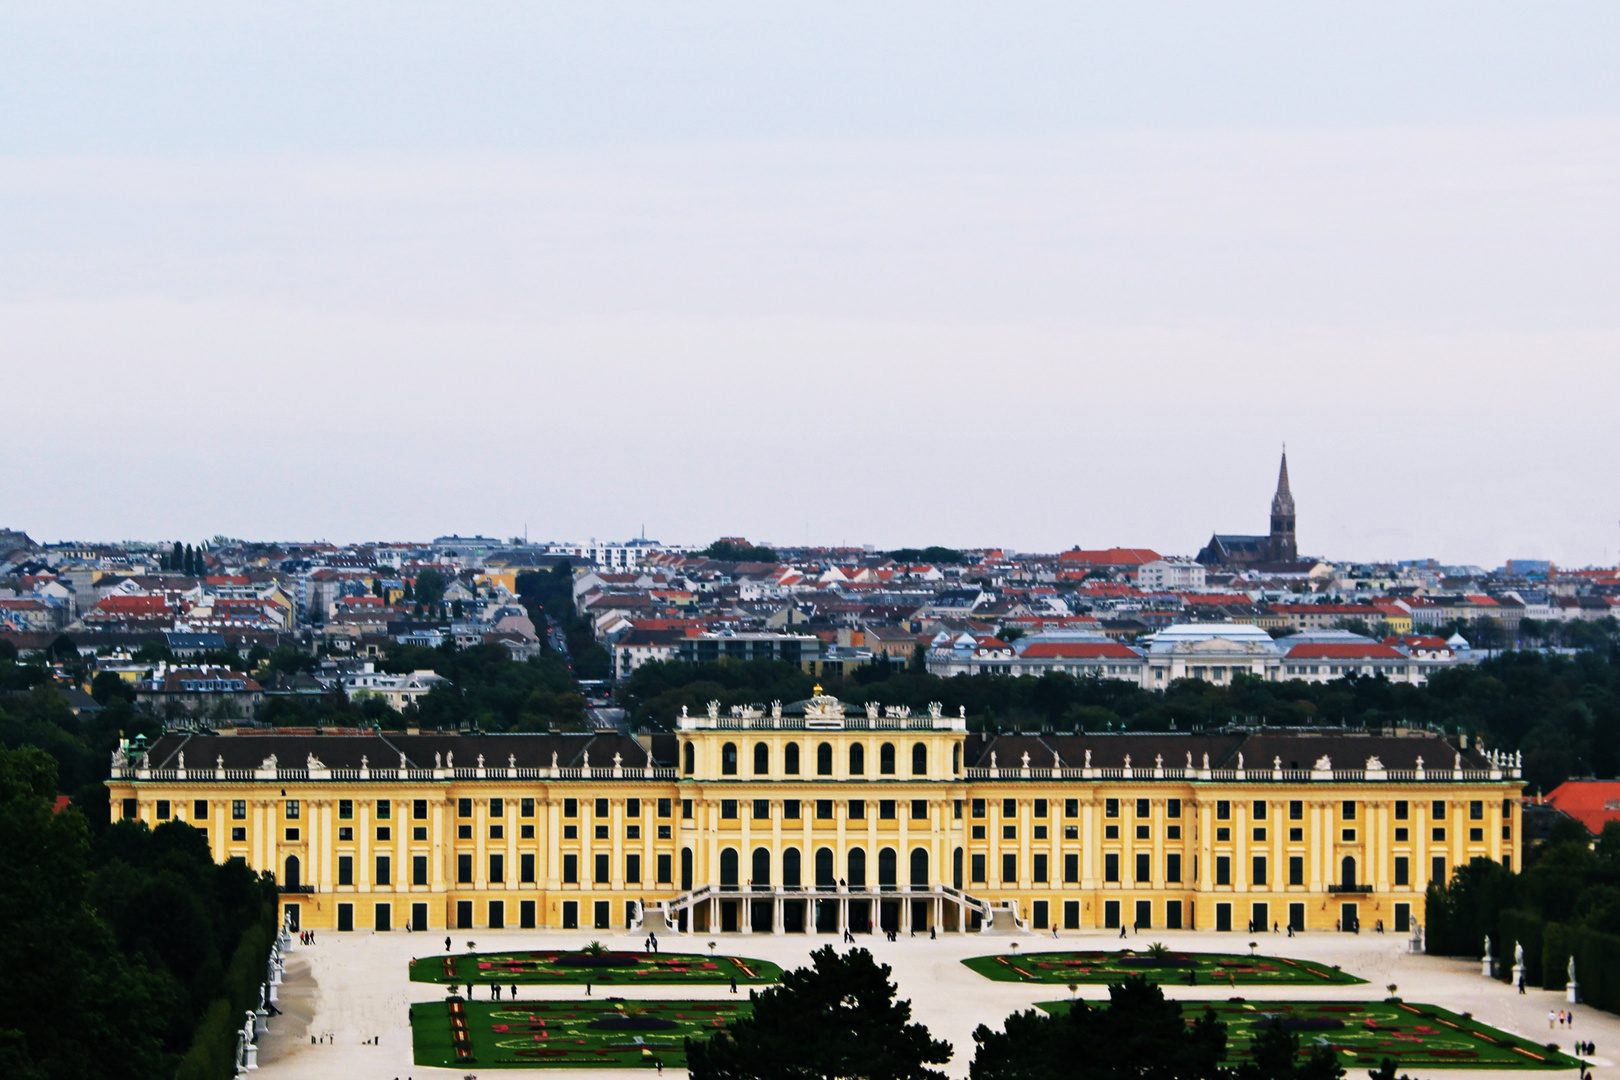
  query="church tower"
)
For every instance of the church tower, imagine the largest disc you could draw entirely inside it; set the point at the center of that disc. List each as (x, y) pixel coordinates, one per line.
(1282, 546)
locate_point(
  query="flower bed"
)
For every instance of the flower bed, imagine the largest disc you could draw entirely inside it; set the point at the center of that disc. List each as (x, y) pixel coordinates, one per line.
(562, 966)
(1200, 968)
(594, 1034)
(1364, 1033)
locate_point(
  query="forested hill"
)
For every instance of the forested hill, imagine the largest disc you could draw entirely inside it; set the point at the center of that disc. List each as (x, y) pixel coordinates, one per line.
(1563, 712)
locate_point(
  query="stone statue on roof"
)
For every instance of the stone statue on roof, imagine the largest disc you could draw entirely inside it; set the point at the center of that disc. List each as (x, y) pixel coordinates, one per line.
(313, 762)
(511, 761)
(1026, 759)
(450, 759)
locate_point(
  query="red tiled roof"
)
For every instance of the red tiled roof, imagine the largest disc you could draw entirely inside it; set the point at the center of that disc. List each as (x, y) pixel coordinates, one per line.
(1372, 650)
(1416, 641)
(1111, 556)
(1593, 803)
(1080, 650)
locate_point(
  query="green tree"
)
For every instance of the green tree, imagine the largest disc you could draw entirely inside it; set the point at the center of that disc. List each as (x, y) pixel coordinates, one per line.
(734, 551)
(1138, 1035)
(1276, 1056)
(837, 1018)
(430, 586)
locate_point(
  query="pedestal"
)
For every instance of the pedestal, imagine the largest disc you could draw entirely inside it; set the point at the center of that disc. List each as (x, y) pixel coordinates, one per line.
(1518, 974)
(1487, 967)
(1572, 992)
(261, 1021)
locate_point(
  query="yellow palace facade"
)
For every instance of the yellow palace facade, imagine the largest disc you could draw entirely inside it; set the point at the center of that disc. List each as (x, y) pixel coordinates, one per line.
(822, 816)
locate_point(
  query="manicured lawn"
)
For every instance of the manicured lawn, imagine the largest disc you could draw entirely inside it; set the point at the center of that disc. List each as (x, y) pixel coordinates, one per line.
(592, 1034)
(560, 966)
(1175, 967)
(1365, 1032)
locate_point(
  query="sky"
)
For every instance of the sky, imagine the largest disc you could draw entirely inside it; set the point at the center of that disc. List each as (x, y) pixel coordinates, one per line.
(1028, 275)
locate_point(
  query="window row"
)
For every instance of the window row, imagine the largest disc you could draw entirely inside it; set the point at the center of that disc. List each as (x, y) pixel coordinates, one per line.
(886, 764)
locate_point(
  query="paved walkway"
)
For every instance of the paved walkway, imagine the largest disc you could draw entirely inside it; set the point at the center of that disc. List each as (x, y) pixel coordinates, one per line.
(354, 986)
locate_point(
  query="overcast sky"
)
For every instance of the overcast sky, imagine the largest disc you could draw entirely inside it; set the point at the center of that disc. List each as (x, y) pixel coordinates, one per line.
(1029, 275)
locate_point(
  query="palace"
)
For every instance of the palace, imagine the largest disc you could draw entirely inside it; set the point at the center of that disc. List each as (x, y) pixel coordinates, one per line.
(821, 816)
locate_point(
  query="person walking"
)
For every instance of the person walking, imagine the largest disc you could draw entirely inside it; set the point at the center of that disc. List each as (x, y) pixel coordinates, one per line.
(1121, 929)
(446, 944)
(587, 989)
(734, 984)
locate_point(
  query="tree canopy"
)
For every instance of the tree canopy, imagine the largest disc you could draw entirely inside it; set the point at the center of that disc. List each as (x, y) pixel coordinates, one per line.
(735, 551)
(933, 554)
(836, 1019)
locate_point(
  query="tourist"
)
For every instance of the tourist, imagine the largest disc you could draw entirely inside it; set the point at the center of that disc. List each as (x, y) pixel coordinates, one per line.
(655, 949)
(587, 989)
(1290, 929)
(511, 991)
(734, 984)
(446, 944)
(1121, 929)
(1552, 1019)
(932, 936)
(1521, 982)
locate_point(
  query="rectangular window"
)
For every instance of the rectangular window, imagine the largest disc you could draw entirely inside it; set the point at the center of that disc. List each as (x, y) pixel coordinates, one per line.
(1172, 808)
(1403, 918)
(665, 870)
(131, 809)
(199, 810)
(664, 807)
(1144, 867)
(824, 809)
(497, 808)
(857, 809)
(686, 809)
(1038, 871)
(525, 832)
(345, 917)
(632, 869)
(163, 809)
(238, 809)
(1111, 914)
(1437, 810)
(919, 809)
(604, 871)
(1071, 869)
(1172, 914)
(1476, 810)
(464, 808)
(602, 808)
(1223, 810)
(1296, 869)
(632, 808)
(1439, 835)
(525, 808)
(1071, 914)
(978, 869)
(1110, 808)
(525, 915)
(497, 914)
(1142, 808)
(728, 809)
(419, 809)
(419, 869)
(292, 836)
(570, 913)
(1039, 915)
(632, 832)
(1071, 808)
(1402, 809)
(385, 868)
(1403, 875)
(464, 873)
(762, 809)
(1437, 869)
(1009, 807)
(978, 808)
(385, 810)
(1009, 832)
(570, 808)
(1259, 836)
(1223, 870)
(1476, 836)
(1040, 808)
(238, 836)
(1009, 868)
(1144, 832)
(570, 870)
(885, 809)
(345, 809)
(1172, 868)
(526, 868)
(790, 809)
(497, 832)
(292, 809)
(1260, 811)
(1296, 810)
(497, 869)
(1259, 870)
(345, 870)
(1111, 866)
(1348, 810)
(956, 809)
(1347, 835)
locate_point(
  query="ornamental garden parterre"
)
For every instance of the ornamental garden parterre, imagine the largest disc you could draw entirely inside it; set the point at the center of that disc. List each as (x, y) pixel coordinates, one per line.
(592, 964)
(1159, 965)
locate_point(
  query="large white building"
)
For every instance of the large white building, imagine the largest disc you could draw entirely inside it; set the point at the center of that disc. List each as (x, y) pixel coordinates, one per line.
(1170, 575)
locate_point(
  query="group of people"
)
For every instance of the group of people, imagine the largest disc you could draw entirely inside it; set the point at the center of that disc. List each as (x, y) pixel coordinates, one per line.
(1560, 1018)
(1585, 1049)
(651, 944)
(306, 937)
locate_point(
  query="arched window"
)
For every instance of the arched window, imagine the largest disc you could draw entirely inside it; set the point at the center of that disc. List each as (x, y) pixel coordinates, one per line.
(919, 868)
(824, 759)
(762, 759)
(919, 760)
(790, 759)
(762, 866)
(790, 868)
(289, 879)
(728, 759)
(826, 878)
(686, 868)
(886, 759)
(1347, 871)
(887, 868)
(691, 759)
(857, 868)
(857, 759)
(956, 868)
(956, 758)
(728, 868)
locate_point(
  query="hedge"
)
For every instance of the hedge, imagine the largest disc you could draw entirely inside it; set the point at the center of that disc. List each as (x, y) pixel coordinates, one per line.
(212, 1055)
(1525, 928)
(1597, 963)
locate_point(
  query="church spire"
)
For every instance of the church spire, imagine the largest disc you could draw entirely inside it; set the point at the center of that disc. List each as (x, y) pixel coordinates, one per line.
(1283, 501)
(1282, 546)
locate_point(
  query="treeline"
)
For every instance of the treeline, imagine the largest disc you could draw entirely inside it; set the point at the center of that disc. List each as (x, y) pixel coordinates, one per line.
(1563, 712)
(127, 951)
(551, 592)
(1565, 903)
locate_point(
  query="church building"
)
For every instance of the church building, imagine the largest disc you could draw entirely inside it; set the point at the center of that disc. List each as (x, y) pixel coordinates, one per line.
(1279, 547)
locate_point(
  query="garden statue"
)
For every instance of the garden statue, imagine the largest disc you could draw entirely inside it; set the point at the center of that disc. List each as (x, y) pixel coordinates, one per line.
(1572, 992)
(1487, 966)
(450, 759)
